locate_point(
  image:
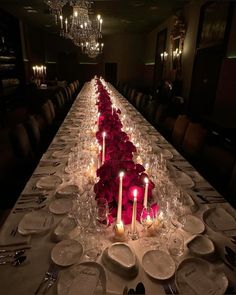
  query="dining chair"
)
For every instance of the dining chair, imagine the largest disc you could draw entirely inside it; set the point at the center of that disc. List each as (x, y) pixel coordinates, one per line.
(143, 102)
(20, 142)
(137, 99)
(150, 110)
(132, 95)
(167, 126)
(218, 164)
(47, 113)
(232, 187)
(159, 114)
(52, 109)
(179, 130)
(32, 128)
(194, 139)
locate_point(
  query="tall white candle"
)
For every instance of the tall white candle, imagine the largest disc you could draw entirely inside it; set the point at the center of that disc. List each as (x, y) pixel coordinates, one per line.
(145, 192)
(99, 161)
(103, 147)
(134, 213)
(119, 209)
(61, 19)
(66, 22)
(101, 21)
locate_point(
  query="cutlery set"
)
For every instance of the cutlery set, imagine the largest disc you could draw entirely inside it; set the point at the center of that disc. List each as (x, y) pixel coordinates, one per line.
(35, 175)
(28, 208)
(210, 199)
(139, 290)
(49, 279)
(12, 257)
(49, 164)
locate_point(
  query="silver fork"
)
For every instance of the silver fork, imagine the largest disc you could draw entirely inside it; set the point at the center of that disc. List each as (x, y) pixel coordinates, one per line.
(47, 277)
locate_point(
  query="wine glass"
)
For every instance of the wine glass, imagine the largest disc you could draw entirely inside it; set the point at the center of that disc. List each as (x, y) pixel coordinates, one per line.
(146, 218)
(102, 214)
(176, 244)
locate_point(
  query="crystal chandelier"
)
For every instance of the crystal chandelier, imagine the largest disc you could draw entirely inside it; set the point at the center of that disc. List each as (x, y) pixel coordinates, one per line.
(78, 27)
(92, 48)
(56, 6)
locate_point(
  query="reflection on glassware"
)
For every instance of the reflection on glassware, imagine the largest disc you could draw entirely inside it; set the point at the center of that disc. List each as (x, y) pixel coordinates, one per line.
(93, 247)
(176, 244)
(102, 214)
(146, 220)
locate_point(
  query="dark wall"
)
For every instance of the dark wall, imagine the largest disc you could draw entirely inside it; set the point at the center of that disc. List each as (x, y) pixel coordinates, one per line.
(64, 60)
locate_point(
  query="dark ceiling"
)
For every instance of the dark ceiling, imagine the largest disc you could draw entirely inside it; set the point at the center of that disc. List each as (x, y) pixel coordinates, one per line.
(119, 15)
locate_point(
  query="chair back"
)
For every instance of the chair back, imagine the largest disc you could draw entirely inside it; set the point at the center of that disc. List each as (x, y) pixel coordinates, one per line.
(179, 130)
(194, 139)
(20, 142)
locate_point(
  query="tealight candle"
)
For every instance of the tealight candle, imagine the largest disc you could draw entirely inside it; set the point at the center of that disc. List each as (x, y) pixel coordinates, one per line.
(119, 231)
(145, 192)
(148, 221)
(103, 147)
(119, 209)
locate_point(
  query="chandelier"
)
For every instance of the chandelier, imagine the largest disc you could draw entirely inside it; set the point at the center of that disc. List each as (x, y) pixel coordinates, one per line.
(92, 48)
(78, 27)
(56, 6)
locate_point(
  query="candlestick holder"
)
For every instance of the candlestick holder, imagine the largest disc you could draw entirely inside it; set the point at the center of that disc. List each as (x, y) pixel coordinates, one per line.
(119, 231)
(133, 235)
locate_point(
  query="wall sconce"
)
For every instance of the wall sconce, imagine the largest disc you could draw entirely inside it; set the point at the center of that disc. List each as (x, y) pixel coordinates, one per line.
(177, 53)
(164, 56)
(39, 71)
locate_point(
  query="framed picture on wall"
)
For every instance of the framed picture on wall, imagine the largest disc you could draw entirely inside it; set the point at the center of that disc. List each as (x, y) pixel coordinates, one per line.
(213, 21)
(159, 64)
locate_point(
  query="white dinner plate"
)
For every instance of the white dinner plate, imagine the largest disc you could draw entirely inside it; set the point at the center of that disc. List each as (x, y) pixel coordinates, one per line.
(183, 179)
(189, 201)
(49, 182)
(165, 152)
(193, 225)
(201, 245)
(195, 276)
(66, 138)
(82, 279)
(67, 191)
(221, 220)
(67, 252)
(65, 229)
(60, 154)
(61, 206)
(35, 222)
(158, 264)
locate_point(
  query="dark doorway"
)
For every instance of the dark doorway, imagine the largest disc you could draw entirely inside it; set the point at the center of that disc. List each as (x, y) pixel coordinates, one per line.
(159, 63)
(204, 81)
(111, 73)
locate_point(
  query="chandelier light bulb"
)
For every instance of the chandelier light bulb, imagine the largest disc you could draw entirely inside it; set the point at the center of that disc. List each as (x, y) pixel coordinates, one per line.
(98, 16)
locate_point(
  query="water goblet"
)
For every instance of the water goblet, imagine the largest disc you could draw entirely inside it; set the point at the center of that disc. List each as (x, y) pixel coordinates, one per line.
(176, 244)
(146, 218)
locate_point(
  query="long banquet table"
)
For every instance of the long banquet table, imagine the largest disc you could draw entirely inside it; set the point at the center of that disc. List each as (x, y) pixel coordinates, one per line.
(25, 278)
